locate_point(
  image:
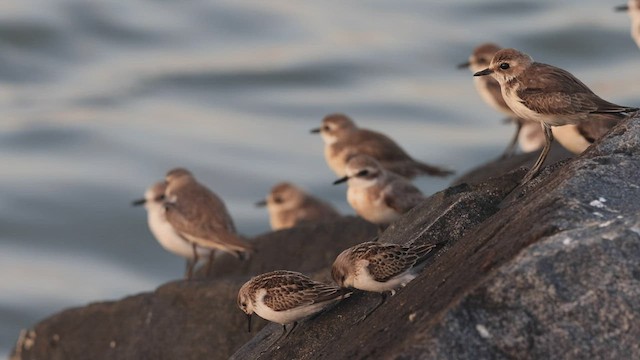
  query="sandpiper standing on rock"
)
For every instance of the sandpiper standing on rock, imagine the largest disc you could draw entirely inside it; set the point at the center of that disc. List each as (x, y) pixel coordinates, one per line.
(200, 216)
(529, 134)
(286, 297)
(551, 96)
(377, 195)
(343, 139)
(162, 230)
(633, 9)
(377, 267)
(288, 205)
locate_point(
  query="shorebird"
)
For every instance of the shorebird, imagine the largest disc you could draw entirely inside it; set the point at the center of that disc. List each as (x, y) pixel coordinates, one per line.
(162, 230)
(377, 195)
(633, 9)
(200, 217)
(553, 97)
(288, 205)
(286, 297)
(344, 139)
(529, 134)
(378, 267)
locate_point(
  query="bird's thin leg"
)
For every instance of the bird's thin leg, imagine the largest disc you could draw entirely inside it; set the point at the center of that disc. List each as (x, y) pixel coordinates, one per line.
(212, 255)
(383, 298)
(511, 148)
(193, 262)
(548, 137)
(286, 333)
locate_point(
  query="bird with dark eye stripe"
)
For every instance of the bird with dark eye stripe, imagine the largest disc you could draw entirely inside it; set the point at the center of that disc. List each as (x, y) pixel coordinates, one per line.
(377, 195)
(343, 139)
(554, 98)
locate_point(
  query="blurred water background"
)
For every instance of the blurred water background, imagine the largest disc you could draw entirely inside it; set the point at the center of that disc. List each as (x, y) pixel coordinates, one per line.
(100, 98)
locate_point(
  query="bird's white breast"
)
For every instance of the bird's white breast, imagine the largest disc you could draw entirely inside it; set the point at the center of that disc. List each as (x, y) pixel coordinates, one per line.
(167, 236)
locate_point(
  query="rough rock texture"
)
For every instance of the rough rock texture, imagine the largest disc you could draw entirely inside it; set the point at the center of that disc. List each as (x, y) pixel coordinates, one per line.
(196, 319)
(546, 270)
(551, 273)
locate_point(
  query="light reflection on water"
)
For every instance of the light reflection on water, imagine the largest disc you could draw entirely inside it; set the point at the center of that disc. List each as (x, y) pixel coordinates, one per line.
(100, 99)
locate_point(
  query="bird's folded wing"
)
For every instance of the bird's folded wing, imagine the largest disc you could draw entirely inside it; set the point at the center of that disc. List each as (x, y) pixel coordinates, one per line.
(389, 261)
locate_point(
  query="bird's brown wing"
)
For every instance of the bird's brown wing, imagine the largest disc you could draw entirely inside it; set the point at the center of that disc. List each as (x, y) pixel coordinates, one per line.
(550, 90)
(295, 291)
(201, 217)
(389, 260)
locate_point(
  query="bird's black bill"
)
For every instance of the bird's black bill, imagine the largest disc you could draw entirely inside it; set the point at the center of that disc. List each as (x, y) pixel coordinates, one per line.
(316, 131)
(483, 72)
(341, 180)
(464, 65)
(138, 202)
(621, 8)
(249, 322)
(261, 203)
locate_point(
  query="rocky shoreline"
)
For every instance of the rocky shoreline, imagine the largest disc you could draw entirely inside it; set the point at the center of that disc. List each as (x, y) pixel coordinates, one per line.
(548, 270)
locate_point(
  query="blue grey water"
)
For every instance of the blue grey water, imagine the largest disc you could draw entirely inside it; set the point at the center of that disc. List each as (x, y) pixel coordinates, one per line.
(100, 98)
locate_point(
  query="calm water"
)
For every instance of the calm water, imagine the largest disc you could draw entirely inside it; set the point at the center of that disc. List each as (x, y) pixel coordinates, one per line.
(100, 98)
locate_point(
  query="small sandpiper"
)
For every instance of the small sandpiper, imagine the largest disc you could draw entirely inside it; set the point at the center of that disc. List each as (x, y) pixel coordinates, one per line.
(378, 267)
(286, 297)
(551, 96)
(344, 139)
(288, 206)
(529, 134)
(162, 230)
(377, 195)
(633, 9)
(200, 216)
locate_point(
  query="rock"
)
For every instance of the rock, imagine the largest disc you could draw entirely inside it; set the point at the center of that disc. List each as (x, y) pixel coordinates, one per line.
(553, 272)
(196, 319)
(546, 270)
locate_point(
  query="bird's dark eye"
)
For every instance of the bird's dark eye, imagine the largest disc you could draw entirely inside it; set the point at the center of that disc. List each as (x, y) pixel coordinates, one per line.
(244, 304)
(504, 66)
(326, 128)
(277, 200)
(159, 198)
(363, 173)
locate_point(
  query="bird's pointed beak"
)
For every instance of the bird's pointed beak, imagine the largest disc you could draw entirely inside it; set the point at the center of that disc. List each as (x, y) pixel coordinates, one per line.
(341, 180)
(484, 72)
(261, 203)
(138, 202)
(464, 65)
(316, 131)
(621, 8)
(249, 322)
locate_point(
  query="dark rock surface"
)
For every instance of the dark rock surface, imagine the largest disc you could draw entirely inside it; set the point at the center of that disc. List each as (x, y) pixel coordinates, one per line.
(547, 270)
(196, 319)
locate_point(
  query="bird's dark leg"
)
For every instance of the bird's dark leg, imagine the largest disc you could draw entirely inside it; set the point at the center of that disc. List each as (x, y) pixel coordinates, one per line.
(548, 136)
(286, 333)
(383, 298)
(512, 147)
(193, 262)
(212, 256)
